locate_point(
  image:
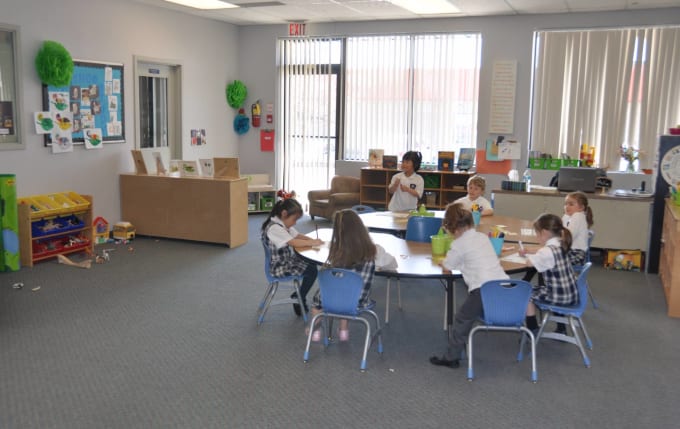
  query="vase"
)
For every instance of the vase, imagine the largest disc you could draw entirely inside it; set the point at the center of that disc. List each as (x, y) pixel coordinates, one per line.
(630, 168)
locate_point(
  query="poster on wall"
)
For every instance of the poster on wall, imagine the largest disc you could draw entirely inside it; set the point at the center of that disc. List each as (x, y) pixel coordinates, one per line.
(92, 100)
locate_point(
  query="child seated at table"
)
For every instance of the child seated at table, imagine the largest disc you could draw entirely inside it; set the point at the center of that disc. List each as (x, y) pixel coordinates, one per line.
(351, 247)
(474, 200)
(578, 219)
(407, 186)
(280, 237)
(471, 252)
(552, 261)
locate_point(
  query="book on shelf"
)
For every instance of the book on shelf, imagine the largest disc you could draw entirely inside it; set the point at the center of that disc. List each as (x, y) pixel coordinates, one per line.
(445, 161)
(466, 158)
(189, 169)
(389, 161)
(375, 157)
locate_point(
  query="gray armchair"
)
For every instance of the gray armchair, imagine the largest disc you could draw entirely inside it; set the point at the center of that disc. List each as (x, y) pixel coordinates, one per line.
(343, 194)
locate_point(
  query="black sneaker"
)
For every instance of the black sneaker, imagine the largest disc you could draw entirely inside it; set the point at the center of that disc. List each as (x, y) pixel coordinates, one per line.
(442, 361)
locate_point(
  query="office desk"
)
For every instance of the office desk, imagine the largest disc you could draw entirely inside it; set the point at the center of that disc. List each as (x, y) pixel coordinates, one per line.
(414, 260)
(395, 222)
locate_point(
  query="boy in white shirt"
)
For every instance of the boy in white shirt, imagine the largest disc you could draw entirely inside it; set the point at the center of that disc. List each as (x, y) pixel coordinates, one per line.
(407, 187)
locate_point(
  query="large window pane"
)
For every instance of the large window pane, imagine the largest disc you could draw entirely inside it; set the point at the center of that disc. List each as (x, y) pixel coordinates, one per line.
(10, 135)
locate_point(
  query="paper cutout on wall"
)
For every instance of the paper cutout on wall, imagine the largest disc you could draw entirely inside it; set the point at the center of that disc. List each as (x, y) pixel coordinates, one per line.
(492, 167)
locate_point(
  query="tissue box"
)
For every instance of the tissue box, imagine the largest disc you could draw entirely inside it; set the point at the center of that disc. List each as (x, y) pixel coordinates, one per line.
(509, 185)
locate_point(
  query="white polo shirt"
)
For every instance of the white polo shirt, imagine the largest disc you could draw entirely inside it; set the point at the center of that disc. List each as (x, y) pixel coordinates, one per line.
(401, 200)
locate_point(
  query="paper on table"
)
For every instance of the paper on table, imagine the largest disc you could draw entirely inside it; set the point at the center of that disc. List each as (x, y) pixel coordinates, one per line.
(515, 257)
(400, 214)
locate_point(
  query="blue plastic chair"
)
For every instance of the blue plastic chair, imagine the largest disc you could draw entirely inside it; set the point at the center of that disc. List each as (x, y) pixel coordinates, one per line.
(290, 284)
(579, 268)
(505, 304)
(568, 315)
(360, 208)
(420, 228)
(340, 293)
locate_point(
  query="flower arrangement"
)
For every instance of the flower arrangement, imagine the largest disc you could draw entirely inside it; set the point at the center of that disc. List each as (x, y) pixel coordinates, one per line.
(630, 155)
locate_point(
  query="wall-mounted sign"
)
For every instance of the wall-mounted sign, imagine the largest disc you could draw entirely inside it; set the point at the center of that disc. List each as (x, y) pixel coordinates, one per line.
(296, 29)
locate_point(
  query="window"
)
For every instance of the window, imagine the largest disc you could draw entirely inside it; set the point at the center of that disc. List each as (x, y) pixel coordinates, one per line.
(341, 97)
(605, 88)
(10, 107)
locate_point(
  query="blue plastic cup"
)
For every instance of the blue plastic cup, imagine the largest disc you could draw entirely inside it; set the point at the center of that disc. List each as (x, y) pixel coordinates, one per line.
(497, 243)
(476, 217)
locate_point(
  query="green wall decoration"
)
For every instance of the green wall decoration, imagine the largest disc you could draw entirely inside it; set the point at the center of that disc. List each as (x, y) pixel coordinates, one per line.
(236, 94)
(54, 64)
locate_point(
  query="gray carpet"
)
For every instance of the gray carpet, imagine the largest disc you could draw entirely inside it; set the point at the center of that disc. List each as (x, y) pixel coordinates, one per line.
(166, 336)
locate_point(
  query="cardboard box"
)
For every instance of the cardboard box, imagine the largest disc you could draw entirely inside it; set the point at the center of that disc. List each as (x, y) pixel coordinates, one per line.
(624, 260)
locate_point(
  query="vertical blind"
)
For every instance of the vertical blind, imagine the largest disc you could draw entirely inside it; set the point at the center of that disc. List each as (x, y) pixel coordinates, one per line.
(340, 97)
(605, 88)
(415, 92)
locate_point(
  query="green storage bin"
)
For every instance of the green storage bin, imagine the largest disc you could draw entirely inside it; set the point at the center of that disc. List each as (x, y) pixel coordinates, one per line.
(9, 224)
(553, 164)
(537, 163)
(266, 203)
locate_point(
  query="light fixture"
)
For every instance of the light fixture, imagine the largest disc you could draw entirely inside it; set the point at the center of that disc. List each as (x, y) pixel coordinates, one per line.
(204, 4)
(426, 7)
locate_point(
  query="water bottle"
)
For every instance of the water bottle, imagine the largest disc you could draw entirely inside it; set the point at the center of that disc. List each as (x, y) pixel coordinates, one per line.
(526, 178)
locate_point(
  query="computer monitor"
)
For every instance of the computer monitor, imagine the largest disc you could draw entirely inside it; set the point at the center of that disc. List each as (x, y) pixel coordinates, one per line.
(581, 179)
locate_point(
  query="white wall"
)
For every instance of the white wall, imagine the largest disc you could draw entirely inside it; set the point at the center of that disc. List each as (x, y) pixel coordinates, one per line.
(115, 31)
(504, 38)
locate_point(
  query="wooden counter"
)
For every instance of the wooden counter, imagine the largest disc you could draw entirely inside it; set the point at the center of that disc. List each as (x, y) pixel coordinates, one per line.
(620, 222)
(669, 269)
(207, 209)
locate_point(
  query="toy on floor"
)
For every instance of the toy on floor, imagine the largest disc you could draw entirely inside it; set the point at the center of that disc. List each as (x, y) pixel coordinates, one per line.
(124, 231)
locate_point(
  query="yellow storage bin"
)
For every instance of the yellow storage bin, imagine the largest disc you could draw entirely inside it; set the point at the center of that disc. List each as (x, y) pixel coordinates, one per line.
(80, 202)
(49, 206)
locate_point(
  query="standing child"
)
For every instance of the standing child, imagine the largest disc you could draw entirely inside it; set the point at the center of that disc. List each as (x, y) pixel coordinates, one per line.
(407, 187)
(280, 237)
(578, 218)
(352, 248)
(476, 185)
(472, 253)
(552, 260)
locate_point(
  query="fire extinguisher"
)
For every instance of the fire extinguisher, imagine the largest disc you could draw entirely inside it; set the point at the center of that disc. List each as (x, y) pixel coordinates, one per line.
(256, 111)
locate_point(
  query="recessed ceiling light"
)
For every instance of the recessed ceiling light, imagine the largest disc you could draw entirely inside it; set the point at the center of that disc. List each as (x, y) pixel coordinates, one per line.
(204, 4)
(426, 7)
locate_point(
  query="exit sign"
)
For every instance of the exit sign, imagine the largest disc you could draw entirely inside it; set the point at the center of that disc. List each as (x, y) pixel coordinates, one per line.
(296, 29)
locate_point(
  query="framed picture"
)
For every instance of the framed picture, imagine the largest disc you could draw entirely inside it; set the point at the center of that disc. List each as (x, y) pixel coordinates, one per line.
(189, 169)
(140, 166)
(175, 167)
(160, 167)
(207, 167)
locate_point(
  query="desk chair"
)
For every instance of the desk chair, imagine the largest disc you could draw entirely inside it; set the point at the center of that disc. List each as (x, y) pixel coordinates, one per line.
(505, 304)
(291, 284)
(340, 293)
(569, 315)
(579, 268)
(418, 228)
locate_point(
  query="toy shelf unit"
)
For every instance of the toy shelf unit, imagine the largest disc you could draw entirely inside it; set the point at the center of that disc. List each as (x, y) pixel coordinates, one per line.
(54, 224)
(441, 187)
(261, 194)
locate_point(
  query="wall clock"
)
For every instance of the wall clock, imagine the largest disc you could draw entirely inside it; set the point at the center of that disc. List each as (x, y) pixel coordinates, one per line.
(670, 166)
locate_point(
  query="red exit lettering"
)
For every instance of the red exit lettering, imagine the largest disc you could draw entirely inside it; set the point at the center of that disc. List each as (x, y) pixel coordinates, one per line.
(296, 29)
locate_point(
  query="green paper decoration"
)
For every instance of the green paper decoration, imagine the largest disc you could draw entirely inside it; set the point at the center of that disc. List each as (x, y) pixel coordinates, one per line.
(54, 64)
(236, 94)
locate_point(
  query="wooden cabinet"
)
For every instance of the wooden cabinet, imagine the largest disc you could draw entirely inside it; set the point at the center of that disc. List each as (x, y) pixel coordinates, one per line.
(669, 268)
(441, 187)
(620, 222)
(54, 224)
(208, 209)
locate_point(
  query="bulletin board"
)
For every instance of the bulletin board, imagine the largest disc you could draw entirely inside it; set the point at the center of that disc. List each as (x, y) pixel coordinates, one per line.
(95, 97)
